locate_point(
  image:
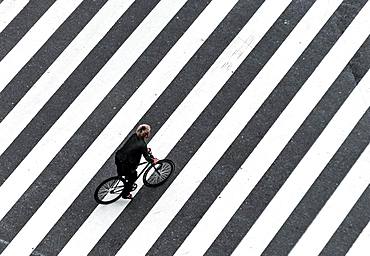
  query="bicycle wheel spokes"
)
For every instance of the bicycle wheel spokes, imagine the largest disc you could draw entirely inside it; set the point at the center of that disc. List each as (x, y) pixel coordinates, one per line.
(110, 185)
(159, 173)
(109, 190)
(154, 178)
(118, 189)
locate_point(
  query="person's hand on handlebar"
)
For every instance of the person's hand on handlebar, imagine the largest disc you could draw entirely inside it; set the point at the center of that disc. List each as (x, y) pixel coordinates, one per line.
(155, 160)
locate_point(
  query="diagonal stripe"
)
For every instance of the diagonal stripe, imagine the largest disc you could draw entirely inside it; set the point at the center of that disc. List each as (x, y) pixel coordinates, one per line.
(59, 71)
(195, 171)
(85, 103)
(356, 220)
(9, 9)
(322, 189)
(265, 228)
(224, 207)
(166, 138)
(34, 39)
(339, 205)
(306, 172)
(139, 103)
(362, 244)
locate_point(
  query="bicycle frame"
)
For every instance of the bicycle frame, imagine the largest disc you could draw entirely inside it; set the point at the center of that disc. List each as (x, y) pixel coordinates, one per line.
(143, 170)
(148, 165)
(115, 185)
(118, 189)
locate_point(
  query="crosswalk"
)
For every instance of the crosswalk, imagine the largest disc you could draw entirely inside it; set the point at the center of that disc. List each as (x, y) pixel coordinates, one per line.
(8, 10)
(262, 105)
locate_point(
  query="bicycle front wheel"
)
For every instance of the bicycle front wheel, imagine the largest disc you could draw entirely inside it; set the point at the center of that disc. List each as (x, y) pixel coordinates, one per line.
(157, 174)
(109, 190)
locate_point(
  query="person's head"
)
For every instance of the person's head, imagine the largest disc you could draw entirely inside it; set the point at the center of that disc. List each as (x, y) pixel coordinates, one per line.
(143, 131)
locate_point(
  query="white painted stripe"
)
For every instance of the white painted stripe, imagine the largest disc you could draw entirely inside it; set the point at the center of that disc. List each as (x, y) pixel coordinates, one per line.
(225, 205)
(338, 206)
(34, 39)
(220, 139)
(86, 102)
(100, 220)
(58, 72)
(34, 253)
(110, 138)
(305, 173)
(362, 244)
(268, 149)
(9, 9)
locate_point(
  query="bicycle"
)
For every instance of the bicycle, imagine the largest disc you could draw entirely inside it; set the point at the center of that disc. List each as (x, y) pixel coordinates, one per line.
(110, 190)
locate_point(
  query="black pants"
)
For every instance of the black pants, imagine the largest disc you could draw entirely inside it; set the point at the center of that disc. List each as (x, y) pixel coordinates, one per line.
(130, 174)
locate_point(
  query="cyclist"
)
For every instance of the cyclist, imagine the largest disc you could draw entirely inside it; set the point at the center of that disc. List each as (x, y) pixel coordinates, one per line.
(127, 158)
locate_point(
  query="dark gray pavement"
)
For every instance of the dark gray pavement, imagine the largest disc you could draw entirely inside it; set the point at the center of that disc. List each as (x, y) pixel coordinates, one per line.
(224, 170)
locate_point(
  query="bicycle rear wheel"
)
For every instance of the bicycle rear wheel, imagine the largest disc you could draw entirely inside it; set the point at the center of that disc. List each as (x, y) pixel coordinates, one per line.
(109, 190)
(157, 174)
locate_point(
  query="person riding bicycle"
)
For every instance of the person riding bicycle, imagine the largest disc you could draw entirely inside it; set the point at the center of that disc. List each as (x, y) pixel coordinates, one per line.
(128, 157)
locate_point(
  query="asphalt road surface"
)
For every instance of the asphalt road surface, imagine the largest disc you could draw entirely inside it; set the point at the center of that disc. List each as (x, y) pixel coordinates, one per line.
(263, 106)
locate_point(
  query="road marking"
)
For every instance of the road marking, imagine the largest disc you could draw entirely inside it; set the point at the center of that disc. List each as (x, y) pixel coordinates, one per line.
(362, 244)
(304, 175)
(9, 9)
(195, 171)
(174, 128)
(338, 206)
(34, 39)
(59, 200)
(265, 228)
(60, 70)
(52, 142)
(34, 253)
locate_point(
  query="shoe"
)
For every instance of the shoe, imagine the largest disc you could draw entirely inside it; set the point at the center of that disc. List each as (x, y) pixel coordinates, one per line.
(129, 196)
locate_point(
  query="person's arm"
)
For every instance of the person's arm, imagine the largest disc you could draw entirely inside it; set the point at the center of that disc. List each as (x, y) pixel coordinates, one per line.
(149, 157)
(146, 154)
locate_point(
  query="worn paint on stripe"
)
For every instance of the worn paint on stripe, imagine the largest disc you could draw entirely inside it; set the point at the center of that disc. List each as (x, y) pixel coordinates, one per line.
(195, 171)
(265, 228)
(155, 219)
(175, 127)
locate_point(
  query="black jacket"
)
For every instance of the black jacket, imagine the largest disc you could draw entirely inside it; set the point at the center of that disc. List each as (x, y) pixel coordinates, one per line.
(131, 152)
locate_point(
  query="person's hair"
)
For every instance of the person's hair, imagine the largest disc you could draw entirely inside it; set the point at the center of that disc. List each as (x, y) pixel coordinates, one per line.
(142, 129)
